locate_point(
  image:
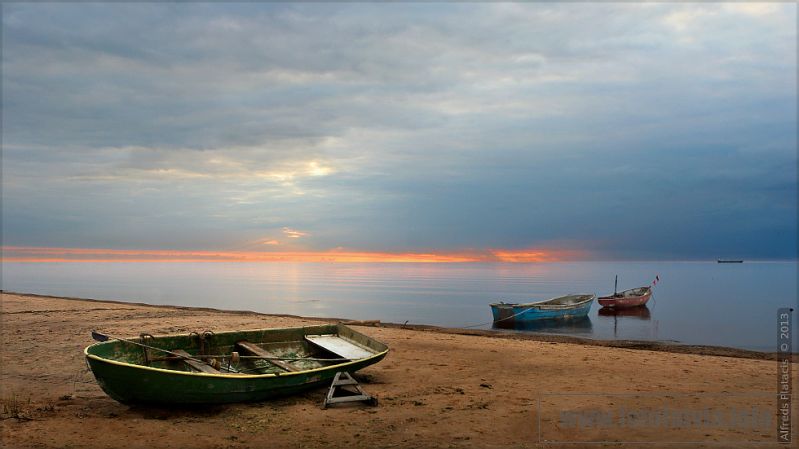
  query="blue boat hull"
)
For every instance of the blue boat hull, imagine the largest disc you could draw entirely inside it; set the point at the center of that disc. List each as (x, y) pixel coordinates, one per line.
(510, 313)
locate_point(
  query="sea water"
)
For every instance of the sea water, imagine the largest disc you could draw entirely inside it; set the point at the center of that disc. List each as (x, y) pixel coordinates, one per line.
(707, 303)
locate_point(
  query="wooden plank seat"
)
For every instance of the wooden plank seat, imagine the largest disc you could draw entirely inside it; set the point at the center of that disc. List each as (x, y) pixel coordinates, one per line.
(341, 347)
(199, 366)
(253, 349)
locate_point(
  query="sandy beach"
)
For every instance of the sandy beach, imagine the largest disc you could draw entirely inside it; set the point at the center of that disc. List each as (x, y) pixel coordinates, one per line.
(436, 388)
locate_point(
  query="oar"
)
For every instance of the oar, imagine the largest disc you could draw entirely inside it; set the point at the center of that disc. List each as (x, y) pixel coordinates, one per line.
(105, 337)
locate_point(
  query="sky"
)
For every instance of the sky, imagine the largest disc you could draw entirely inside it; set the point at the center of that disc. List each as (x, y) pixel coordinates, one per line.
(400, 132)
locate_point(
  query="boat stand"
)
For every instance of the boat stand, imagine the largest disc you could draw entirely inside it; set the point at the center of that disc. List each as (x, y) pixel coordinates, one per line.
(352, 392)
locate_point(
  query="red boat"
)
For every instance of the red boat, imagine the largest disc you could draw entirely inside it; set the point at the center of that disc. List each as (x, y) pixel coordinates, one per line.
(629, 298)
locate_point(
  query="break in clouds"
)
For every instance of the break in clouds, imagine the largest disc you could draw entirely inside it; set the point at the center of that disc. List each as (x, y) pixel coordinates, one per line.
(626, 130)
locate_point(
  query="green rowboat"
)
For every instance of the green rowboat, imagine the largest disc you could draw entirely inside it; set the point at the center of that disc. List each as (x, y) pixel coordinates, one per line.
(226, 367)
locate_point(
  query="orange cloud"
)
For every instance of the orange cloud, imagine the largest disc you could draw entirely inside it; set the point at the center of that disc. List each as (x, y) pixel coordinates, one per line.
(43, 254)
(538, 255)
(37, 254)
(271, 242)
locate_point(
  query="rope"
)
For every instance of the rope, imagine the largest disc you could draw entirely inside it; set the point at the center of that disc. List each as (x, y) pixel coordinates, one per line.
(494, 321)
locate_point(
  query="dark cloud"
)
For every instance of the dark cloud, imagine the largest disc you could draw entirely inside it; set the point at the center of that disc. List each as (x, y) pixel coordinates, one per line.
(652, 130)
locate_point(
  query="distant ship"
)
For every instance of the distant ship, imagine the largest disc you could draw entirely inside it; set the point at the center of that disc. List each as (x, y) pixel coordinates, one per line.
(730, 261)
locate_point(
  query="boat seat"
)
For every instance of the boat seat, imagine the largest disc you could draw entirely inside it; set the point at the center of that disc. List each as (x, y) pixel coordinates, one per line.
(253, 349)
(341, 347)
(199, 366)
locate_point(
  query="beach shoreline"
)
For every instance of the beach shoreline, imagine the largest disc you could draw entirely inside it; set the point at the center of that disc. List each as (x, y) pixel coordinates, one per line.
(437, 387)
(650, 345)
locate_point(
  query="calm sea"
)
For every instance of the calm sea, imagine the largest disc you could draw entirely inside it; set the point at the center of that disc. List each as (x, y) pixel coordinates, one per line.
(695, 302)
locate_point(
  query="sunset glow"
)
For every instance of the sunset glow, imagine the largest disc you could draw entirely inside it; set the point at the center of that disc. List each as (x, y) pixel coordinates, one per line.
(538, 255)
(44, 254)
(293, 233)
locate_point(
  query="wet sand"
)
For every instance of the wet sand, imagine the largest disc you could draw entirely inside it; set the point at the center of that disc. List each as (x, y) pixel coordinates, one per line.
(436, 388)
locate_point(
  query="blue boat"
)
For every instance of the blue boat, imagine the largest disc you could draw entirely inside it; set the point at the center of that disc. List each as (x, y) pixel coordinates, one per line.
(562, 307)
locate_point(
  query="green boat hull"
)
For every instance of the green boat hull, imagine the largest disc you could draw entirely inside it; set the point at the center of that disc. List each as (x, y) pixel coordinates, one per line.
(121, 370)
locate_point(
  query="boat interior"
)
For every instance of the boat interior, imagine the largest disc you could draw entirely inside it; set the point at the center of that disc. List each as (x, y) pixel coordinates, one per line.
(269, 351)
(567, 300)
(631, 293)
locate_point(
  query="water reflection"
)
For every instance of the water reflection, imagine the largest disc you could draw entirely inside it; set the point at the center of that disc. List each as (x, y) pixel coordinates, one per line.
(640, 312)
(633, 316)
(574, 325)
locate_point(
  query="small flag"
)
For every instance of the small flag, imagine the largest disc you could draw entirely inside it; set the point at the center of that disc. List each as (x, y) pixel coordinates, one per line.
(655, 282)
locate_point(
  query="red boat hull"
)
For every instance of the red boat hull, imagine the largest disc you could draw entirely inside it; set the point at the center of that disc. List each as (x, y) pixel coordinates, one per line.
(624, 301)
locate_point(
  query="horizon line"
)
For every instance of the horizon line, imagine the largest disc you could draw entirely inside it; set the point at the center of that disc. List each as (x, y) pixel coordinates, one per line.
(64, 254)
(36, 254)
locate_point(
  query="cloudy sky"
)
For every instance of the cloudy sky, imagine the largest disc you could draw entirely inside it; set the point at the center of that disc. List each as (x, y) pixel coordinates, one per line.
(600, 131)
